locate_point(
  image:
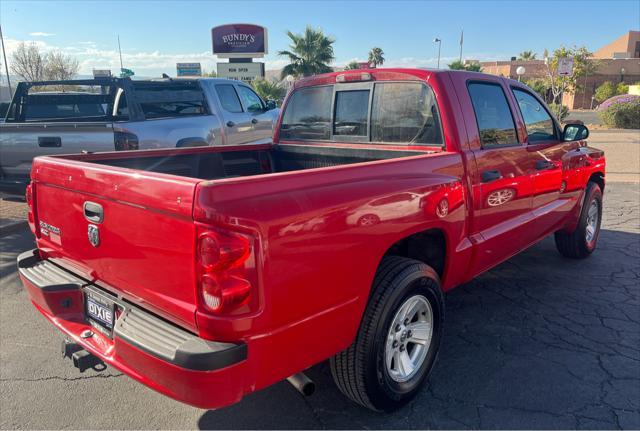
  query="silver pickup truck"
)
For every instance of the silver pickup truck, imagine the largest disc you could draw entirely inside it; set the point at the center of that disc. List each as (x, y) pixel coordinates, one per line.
(61, 117)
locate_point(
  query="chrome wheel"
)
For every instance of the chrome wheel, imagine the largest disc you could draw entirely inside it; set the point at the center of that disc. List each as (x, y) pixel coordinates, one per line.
(409, 338)
(592, 222)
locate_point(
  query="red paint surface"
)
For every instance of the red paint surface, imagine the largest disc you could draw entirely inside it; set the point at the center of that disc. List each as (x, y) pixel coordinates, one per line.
(317, 236)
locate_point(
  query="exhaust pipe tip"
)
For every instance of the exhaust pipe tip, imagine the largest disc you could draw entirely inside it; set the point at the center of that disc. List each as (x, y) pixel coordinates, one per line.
(302, 384)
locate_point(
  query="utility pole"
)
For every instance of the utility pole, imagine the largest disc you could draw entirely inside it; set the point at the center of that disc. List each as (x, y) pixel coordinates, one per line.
(439, 42)
(120, 51)
(461, 43)
(6, 65)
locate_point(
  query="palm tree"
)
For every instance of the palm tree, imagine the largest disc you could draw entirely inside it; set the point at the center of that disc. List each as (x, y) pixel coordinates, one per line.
(269, 90)
(376, 57)
(527, 55)
(309, 53)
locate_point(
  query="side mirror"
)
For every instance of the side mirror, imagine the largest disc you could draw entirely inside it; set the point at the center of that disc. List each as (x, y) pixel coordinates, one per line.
(270, 104)
(575, 132)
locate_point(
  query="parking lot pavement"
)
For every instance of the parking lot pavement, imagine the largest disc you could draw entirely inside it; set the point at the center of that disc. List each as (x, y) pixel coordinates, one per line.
(538, 342)
(622, 148)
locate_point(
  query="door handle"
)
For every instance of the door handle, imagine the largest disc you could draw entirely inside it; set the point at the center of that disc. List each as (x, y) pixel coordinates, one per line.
(541, 165)
(93, 212)
(254, 121)
(49, 141)
(488, 176)
(230, 124)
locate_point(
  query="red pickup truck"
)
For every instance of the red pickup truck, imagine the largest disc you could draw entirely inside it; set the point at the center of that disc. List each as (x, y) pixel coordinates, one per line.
(210, 273)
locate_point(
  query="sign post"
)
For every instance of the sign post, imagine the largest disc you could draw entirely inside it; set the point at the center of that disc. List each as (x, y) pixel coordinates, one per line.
(565, 66)
(188, 69)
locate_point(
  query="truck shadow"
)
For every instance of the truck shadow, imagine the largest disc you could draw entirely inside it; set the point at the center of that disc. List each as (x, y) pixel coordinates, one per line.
(534, 343)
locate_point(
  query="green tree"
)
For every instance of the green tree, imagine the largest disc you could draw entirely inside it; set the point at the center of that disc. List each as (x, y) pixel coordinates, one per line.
(583, 65)
(527, 55)
(540, 86)
(456, 65)
(352, 65)
(211, 74)
(605, 91)
(470, 67)
(309, 53)
(268, 90)
(376, 57)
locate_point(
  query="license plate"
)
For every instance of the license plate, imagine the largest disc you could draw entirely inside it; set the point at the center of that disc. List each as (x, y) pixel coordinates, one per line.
(100, 310)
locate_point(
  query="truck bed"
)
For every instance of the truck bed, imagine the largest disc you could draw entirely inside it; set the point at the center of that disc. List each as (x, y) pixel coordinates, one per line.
(208, 164)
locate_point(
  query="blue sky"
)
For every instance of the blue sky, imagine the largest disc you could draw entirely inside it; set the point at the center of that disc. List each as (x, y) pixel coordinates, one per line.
(156, 34)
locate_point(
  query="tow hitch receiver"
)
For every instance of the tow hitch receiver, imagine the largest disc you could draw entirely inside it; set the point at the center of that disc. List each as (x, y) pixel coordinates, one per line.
(82, 359)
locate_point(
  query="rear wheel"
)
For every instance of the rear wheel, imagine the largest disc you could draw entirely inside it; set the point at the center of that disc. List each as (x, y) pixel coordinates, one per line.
(399, 337)
(582, 241)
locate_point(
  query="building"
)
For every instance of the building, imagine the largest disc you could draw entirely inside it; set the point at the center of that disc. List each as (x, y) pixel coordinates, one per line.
(617, 62)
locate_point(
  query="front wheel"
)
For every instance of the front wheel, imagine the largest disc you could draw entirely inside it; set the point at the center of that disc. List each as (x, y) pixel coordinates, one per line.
(582, 241)
(399, 337)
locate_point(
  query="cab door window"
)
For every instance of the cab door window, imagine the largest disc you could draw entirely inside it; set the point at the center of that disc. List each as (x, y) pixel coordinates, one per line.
(537, 120)
(494, 118)
(251, 100)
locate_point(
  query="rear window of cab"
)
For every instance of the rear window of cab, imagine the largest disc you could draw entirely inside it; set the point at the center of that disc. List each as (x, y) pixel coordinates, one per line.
(381, 112)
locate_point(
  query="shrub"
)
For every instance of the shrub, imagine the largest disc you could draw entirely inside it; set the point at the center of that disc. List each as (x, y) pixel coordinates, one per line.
(622, 88)
(605, 91)
(621, 112)
(560, 111)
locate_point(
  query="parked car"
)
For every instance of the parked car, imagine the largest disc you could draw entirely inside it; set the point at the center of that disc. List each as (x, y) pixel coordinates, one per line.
(211, 273)
(62, 117)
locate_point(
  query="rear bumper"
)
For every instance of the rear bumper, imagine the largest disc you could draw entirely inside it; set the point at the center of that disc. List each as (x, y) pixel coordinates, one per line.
(158, 354)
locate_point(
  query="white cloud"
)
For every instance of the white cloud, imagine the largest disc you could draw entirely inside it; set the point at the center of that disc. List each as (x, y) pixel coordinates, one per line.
(41, 34)
(154, 63)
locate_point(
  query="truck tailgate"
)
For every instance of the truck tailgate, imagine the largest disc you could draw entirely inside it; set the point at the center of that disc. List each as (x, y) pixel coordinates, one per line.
(20, 143)
(144, 246)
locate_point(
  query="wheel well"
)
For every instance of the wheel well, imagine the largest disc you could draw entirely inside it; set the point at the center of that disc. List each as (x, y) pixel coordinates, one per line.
(598, 178)
(428, 246)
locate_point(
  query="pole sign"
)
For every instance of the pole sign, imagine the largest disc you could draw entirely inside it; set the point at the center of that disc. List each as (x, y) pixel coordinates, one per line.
(188, 69)
(239, 41)
(565, 66)
(246, 72)
(101, 73)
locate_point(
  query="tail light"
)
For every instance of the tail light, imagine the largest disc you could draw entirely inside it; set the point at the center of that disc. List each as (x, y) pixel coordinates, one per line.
(223, 282)
(30, 203)
(125, 141)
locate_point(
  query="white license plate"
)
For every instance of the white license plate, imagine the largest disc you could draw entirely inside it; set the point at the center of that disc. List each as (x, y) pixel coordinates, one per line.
(100, 310)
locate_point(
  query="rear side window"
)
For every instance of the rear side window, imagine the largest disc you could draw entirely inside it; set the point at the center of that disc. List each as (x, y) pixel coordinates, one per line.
(250, 99)
(228, 98)
(537, 120)
(170, 100)
(405, 112)
(493, 115)
(352, 113)
(308, 114)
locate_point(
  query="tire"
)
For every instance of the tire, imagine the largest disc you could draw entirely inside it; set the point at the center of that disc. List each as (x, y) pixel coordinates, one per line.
(581, 242)
(361, 371)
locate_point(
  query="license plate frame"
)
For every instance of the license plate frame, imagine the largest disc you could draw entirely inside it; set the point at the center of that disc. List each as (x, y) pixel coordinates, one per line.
(100, 312)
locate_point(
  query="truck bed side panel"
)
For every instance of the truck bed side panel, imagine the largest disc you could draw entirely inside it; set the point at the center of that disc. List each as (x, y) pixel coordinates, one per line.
(323, 233)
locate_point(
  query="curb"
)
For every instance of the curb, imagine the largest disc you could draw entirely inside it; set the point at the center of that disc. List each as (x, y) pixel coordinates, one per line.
(12, 227)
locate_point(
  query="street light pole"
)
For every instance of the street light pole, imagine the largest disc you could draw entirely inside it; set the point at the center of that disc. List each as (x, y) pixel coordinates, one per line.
(439, 42)
(6, 65)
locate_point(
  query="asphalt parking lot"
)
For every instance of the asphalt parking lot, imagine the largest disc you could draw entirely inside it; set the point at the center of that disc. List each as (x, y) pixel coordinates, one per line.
(539, 342)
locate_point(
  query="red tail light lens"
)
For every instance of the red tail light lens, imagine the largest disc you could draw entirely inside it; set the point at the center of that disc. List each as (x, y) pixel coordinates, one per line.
(31, 219)
(222, 283)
